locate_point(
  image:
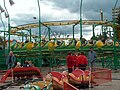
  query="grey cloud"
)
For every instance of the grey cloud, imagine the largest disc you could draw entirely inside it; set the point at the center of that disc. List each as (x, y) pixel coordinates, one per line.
(71, 5)
(91, 8)
(68, 30)
(22, 19)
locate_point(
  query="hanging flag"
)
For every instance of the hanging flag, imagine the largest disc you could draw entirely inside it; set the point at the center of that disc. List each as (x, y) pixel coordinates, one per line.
(11, 2)
(1, 9)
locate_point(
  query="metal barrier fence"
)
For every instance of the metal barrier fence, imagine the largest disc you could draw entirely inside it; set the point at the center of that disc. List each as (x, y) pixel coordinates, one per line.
(100, 76)
(68, 86)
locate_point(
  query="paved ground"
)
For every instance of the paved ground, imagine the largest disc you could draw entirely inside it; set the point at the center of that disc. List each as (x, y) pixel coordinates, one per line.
(114, 85)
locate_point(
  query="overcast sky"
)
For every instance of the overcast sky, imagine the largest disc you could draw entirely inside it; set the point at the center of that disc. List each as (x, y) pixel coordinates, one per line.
(23, 11)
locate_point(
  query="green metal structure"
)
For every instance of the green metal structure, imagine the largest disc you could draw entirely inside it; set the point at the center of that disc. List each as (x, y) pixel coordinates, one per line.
(53, 54)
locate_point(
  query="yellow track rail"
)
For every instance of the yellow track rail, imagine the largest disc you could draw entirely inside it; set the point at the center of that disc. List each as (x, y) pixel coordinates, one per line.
(61, 23)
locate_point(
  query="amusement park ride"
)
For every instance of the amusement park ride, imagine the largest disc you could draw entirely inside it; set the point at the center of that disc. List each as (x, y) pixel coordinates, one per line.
(54, 53)
(51, 51)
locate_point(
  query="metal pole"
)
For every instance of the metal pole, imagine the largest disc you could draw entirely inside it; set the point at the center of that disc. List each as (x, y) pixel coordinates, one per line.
(114, 30)
(22, 36)
(49, 32)
(93, 31)
(4, 32)
(8, 27)
(8, 34)
(115, 4)
(26, 37)
(30, 34)
(40, 52)
(101, 14)
(8, 16)
(73, 32)
(81, 24)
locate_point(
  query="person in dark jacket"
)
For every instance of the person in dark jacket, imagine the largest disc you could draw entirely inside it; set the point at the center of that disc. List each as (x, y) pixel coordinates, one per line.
(26, 64)
(10, 61)
(70, 62)
(91, 57)
(81, 61)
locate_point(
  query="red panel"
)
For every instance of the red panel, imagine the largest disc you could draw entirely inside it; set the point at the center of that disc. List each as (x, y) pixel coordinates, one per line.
(68, 86)
(78, 72)
(57, 75)
(22, 72)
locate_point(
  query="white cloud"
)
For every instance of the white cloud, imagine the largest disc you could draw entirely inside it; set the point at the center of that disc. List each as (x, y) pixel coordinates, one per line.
(30, 7)
(48, 9)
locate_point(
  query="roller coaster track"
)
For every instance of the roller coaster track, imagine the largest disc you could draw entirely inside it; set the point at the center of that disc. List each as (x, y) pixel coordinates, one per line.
(61, 23)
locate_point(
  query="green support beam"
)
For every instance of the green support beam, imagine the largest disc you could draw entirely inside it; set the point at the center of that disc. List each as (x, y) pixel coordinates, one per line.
(30, 35)
(93, 31)
(81, 25)
(49, 32)
(73, 31)
(114, 30)
(40, 52)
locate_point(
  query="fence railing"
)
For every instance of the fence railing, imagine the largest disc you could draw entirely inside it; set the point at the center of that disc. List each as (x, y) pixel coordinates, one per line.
(100, 76)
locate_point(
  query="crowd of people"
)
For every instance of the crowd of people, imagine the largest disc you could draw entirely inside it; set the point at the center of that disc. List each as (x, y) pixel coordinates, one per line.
(80, 61)
(74, 61)
(26, 64)
(12, 63)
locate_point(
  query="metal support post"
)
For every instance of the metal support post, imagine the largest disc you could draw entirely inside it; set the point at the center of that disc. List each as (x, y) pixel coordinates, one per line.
(49, 32)
(40, 52)
(114, 30)
(22, 36)
(73, 32)
(4, 32)
(93, 31)
(81, 24)
(8, 16)
(101, 14)
(30, 35)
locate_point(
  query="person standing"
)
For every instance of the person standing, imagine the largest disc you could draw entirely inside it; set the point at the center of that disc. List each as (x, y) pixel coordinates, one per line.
(10, 60)
(75, 56)
(91, 57)
(81, 61)
(70, 62)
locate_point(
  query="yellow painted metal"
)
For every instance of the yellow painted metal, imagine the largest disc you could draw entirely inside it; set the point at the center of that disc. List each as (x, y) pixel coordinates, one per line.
(29, 45)
(51, 46)
(61, 23)
(78, 44)
(99, 44)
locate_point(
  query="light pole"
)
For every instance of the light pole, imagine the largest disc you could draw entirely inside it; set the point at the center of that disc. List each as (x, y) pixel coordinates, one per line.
(8, 16)
(81, 24)
(40, 52)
